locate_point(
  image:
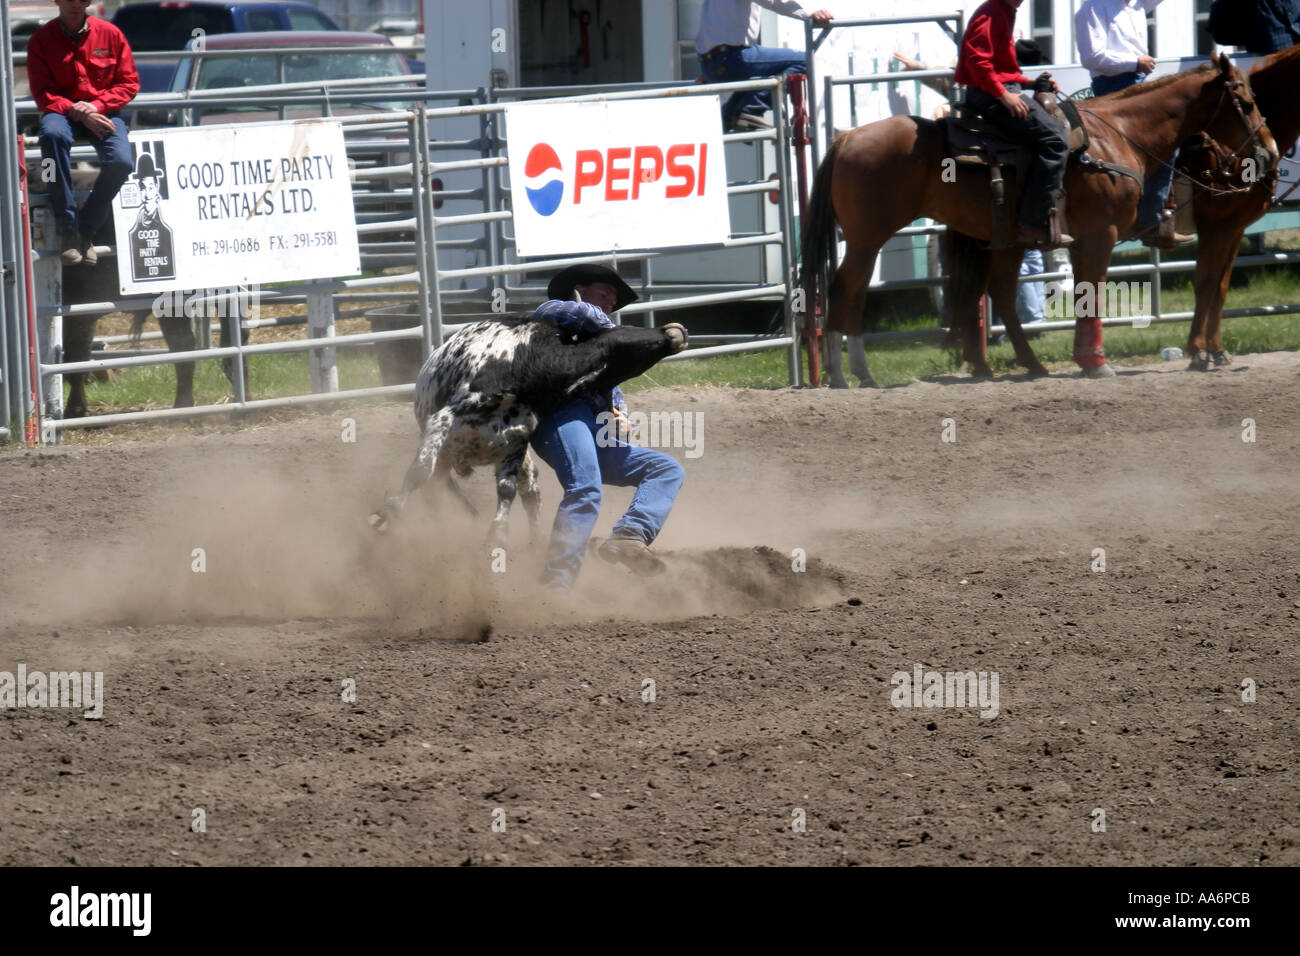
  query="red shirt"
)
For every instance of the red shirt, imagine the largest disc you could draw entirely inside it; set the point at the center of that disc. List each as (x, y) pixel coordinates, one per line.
(96, 66)
(988, 53)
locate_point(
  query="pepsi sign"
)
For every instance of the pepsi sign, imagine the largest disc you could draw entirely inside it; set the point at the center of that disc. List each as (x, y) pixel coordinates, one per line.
(632, 174)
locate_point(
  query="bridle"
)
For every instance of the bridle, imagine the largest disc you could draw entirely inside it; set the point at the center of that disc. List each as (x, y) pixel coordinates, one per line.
(1226, 165)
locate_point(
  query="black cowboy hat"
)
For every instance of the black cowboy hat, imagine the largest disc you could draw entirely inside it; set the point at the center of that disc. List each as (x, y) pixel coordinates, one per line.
(561, 287)
(144, 167)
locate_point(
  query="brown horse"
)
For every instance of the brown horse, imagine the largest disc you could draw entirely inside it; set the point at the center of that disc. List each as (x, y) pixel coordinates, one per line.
(1221, 220)
(878, 178)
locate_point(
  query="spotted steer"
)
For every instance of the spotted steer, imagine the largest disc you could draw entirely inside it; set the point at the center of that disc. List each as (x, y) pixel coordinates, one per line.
(481, 395)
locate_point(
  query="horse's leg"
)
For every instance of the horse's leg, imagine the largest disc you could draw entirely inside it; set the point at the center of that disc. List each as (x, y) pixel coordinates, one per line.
(1214, 258)
(78, 336)
(178, 331)
(1004, 271)
(421, 470)
(847, 300)
(1091, 257)
(507, 484)
(834, 359)
(858, 361)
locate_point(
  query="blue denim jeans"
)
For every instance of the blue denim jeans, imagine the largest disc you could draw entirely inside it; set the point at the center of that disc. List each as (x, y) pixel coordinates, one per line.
(750, 63)
(58, 134)
(1029, 295)
(566, 440)
(1155, 191)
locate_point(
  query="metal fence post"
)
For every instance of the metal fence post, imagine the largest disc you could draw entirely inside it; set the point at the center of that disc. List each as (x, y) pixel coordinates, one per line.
(787, 229)
(320, 325)
(47, 276)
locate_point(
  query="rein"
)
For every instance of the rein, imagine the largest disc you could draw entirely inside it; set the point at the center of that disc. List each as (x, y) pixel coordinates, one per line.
(1229, 162)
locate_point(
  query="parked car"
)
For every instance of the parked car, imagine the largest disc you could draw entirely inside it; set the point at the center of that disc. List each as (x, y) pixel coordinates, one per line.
(25, 18)
(382, 62)
(157, 25)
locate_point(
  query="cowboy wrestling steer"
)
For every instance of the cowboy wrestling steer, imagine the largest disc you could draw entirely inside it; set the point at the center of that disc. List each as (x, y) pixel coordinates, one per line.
(480, 396)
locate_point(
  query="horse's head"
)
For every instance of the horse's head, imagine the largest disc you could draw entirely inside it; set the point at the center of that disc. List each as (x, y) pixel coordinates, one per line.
(1235, 133)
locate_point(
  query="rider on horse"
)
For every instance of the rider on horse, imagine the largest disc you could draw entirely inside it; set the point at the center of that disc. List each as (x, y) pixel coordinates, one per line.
(987, 65)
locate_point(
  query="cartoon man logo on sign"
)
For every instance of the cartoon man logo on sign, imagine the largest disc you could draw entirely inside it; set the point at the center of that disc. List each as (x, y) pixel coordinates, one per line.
(152, 254)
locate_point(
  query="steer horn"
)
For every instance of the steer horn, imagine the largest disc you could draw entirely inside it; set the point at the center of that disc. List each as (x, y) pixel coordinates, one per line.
(676, 335)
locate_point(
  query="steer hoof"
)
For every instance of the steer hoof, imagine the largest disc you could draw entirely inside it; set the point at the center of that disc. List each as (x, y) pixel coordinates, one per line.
(1098, 371)
(677, 336)
(379, 521)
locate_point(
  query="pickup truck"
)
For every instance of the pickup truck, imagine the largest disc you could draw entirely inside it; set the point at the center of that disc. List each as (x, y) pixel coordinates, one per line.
(157, 25)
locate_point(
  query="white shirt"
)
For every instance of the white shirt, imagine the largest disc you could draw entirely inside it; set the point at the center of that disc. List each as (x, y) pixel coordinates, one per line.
(1112, 34)
(735, 22)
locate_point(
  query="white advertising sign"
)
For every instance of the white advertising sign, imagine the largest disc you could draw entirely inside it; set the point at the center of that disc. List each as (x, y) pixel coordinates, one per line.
(235, 205)
(627, 174)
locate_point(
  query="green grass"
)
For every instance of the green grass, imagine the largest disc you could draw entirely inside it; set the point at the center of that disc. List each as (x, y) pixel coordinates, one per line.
(901, 362)
(891, 364)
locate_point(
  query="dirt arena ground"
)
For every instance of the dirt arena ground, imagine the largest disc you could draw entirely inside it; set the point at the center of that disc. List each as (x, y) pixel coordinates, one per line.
(479, 701)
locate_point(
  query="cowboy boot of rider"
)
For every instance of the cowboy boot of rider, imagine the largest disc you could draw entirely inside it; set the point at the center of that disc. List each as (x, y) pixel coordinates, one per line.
(1163, 236)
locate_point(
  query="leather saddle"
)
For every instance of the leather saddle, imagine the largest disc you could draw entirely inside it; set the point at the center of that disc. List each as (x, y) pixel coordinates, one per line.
(972, 141)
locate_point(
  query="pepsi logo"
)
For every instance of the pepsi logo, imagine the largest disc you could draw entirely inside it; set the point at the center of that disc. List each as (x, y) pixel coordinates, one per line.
(546, 197)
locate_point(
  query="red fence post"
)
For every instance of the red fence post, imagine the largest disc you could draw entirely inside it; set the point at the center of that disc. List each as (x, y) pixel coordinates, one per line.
(800, 123)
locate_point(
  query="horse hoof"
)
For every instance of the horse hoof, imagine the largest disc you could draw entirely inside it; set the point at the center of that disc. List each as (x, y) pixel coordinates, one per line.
(1200, 362)
(838, 383)
(379, 521)
(1221, 358)
(867, 381)
(1037, 371)
(981, 372)
(1098, 371)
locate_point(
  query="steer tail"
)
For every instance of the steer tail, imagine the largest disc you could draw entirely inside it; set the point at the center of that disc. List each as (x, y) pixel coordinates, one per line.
(819, 227)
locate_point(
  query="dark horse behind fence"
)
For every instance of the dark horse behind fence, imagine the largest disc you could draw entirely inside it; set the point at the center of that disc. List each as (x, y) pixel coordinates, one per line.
(878, 178)
(98, 283)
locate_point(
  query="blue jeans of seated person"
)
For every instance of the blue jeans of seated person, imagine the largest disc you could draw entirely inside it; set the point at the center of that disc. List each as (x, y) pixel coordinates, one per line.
(732, 64)
(566, 441)
(58, 134)
(1029, 295)
(1155, 191)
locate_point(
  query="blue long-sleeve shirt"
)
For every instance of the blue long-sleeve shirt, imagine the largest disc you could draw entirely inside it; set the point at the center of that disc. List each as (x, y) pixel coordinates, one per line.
(578, 321)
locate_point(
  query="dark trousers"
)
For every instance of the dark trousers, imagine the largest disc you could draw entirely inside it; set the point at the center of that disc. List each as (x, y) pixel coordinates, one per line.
(58, 134)
(1041, 134)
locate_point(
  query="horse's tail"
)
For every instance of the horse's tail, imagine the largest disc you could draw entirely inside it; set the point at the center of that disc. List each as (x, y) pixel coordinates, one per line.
(966, 268)
(819, 227)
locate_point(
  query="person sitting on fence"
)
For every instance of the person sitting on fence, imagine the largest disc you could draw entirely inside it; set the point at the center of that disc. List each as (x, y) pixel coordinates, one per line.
(81, 73)
(726, 47)
(987, 65)
(571, 441)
